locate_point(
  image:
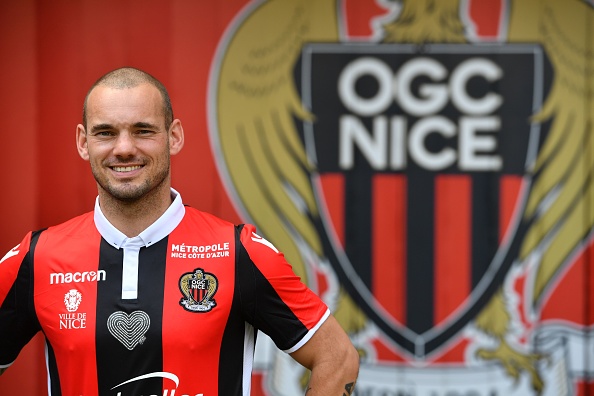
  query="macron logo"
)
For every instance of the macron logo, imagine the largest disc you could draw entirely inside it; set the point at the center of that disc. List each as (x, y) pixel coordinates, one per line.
(77, 277)
(11, 252)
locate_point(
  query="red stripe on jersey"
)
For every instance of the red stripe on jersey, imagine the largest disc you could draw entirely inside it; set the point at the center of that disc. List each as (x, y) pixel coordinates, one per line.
(509, 192)
(389, 243)
(66, 280)
(453, 241)
(198, 335)
(333, 189)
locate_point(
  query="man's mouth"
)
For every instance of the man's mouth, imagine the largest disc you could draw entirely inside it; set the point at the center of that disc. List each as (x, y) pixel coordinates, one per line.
(125, 168)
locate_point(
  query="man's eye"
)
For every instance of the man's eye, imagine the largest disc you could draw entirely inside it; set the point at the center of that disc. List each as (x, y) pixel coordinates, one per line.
(104, 133)
(147, 132)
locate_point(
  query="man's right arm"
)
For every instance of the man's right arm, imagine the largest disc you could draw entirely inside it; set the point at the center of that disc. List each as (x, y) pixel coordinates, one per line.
(332, 359)
(17, 326)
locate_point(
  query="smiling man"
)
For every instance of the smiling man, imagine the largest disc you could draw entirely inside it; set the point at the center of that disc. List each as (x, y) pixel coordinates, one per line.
(128, 135)
(144, 295)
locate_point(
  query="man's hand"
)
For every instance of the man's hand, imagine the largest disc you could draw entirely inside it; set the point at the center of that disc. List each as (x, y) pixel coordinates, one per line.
(332, 359)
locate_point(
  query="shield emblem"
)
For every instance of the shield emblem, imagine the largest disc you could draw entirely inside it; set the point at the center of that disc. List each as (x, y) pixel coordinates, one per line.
(423, 159)
(199, 289)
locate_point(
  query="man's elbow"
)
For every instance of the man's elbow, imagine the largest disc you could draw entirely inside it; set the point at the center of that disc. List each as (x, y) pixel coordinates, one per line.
(350, 369)
(351, 360)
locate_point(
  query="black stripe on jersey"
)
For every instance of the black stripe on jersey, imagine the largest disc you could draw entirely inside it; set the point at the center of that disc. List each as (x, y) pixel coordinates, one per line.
(54, 376)
(232, 358)
(115, 362)
(263, 307)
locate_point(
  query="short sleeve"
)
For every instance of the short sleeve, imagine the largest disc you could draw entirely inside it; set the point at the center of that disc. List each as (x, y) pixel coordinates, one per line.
(17, 319)
(273, 298)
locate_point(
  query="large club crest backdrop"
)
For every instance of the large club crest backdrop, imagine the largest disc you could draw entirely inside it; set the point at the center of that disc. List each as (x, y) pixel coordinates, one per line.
(426, 166)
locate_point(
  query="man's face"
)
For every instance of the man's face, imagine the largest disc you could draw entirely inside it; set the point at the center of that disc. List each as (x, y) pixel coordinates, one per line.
(126, 141)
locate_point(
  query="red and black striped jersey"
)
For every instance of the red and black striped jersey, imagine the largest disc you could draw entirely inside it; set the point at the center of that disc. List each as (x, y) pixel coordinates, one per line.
(174, 311)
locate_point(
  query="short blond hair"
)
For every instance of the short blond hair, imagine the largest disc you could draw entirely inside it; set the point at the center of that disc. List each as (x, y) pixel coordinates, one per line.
(129, 77)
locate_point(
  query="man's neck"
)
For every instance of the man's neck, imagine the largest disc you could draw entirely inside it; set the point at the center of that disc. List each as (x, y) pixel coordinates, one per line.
(133, 217)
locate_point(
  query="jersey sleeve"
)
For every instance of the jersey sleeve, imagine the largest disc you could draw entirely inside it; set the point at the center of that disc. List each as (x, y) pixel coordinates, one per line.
(17, 319)
(274, 299)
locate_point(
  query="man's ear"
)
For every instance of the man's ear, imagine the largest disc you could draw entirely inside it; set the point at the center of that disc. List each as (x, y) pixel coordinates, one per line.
(176, 137)
(81, 142)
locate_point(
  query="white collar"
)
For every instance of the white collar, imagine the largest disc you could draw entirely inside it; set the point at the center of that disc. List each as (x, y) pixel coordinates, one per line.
(151, 235)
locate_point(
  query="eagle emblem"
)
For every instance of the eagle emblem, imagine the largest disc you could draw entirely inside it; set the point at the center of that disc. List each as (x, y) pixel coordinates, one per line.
(489, 173)
(198, 289)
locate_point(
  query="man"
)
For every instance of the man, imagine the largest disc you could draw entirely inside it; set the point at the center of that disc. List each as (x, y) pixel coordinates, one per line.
(145, 296)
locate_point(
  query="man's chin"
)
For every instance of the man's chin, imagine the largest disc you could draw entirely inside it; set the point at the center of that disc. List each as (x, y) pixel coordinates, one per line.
(126, 194)
(129, 192)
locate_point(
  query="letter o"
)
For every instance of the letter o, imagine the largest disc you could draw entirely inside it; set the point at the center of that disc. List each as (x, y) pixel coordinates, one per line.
(355, 70)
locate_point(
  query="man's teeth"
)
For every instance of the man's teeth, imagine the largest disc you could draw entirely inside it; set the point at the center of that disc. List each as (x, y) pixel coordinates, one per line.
(125, 168)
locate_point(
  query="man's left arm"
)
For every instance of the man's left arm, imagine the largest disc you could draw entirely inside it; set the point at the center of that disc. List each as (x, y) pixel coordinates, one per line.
(332, 359)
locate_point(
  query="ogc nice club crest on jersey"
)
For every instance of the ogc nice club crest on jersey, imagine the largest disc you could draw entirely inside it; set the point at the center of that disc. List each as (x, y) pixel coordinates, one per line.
(198, 289)
(428, 151)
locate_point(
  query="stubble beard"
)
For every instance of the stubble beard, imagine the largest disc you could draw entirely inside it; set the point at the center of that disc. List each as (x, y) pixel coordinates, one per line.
(127, 192)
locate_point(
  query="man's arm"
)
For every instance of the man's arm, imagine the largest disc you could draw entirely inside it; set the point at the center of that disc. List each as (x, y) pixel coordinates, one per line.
(332, 359)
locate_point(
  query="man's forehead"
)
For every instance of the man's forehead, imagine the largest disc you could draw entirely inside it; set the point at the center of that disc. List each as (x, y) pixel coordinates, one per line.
(142, 100)
(141, 91)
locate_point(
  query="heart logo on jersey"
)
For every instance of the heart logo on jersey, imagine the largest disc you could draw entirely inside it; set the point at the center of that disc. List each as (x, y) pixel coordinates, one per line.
(129, 329)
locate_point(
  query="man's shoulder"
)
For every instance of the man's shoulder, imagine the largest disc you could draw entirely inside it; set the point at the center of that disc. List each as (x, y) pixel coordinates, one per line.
(196, 215)
(82, 220)
(80, 225)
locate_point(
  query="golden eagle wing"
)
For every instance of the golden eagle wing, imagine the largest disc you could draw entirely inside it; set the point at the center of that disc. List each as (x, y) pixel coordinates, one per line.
(257, 107)
(559, 207)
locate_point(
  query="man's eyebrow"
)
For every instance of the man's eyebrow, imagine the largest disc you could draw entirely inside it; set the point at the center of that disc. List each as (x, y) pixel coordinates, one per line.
(138, 125)
(146, 125)
(101, 127)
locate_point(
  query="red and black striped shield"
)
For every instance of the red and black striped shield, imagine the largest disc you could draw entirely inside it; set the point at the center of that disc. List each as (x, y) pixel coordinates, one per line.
(198, 289)
(424, 159)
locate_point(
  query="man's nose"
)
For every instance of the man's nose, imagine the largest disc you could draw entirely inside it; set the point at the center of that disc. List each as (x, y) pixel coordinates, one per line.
(124, 145)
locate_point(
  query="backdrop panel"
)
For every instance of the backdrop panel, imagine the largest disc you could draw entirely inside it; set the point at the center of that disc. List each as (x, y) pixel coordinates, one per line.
(425, 166)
